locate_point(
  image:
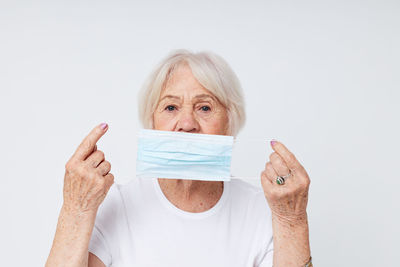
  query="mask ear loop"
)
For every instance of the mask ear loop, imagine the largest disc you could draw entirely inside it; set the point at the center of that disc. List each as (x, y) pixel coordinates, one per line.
(241, 140)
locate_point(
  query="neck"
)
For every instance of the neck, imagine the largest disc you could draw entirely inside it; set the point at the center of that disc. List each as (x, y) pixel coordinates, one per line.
(192, 195)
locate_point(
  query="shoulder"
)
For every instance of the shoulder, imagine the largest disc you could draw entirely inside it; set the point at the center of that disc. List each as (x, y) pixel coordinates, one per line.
(118, 201)
(252, 211)
(249, 194)
(244, 187)
(249, 201)
(110, 230)
(111, 207)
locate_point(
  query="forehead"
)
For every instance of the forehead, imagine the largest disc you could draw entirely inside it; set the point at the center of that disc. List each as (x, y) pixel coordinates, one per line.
(183, 83)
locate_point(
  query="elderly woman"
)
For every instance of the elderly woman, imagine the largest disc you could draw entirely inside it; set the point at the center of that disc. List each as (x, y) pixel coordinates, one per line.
(178, 222)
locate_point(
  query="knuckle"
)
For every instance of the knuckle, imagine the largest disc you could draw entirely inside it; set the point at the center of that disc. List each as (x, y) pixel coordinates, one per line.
(93, 163)
(273, 156)
(264, 178)
(69, 165)
(91, 176)
(303, 171)
(108, 167)
(269, 169)
(291, 159)
(268, 166)
(101, 153)
(85, 170)
(88, 144)
(107, 164)
(78, 168)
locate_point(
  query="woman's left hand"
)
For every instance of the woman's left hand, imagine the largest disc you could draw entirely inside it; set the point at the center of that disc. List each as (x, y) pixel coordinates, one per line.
(288, 201)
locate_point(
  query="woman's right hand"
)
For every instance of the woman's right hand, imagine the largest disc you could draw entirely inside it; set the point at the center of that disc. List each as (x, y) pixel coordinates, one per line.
(87, 178)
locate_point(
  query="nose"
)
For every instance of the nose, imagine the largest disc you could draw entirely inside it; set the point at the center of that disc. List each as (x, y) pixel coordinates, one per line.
(187, 122)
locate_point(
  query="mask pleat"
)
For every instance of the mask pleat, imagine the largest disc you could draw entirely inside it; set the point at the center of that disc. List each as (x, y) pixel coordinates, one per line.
(183, 155)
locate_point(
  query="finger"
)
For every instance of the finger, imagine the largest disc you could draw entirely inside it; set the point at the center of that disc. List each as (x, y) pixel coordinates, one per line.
(278, 164)
(266, 183)
(286, 155)
(270, 172)
(87, 145)
(95, 158)
(268, 177)
(109, 179)
(265, 179)
(104, 168)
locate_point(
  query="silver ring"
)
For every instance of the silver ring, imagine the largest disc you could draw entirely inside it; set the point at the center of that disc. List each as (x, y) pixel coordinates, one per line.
(281, 179)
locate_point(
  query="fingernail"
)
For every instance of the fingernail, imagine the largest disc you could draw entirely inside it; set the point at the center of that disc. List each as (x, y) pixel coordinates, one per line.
(273, 142)
(103, 125)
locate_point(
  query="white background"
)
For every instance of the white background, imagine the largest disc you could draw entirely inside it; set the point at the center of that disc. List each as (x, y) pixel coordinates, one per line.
(323, 77)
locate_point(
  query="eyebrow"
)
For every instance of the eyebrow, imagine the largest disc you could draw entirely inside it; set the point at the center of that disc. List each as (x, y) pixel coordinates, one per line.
(205, 96)
(196, 97)
(170, 96)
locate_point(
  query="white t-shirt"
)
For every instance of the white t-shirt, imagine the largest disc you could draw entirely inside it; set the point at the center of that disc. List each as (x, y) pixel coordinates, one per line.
(137, 226)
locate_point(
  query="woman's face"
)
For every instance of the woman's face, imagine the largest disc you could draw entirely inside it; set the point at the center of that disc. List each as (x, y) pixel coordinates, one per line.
(186, 106)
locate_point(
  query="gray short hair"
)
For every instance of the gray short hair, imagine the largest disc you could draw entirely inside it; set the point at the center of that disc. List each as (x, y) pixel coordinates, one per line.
(210, 70)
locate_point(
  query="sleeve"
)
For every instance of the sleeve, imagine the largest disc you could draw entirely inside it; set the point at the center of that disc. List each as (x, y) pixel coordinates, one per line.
(101, 242)
(266, 256)
(99, 247)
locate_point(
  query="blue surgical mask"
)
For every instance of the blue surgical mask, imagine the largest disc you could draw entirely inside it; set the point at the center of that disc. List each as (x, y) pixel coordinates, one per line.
(180, 155)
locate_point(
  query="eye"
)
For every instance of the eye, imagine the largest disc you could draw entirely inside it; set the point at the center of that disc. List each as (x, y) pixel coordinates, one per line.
(170, 108)
(205, 108)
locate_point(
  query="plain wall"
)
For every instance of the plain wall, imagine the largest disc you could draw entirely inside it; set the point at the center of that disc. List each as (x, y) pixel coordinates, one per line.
(320, 76)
